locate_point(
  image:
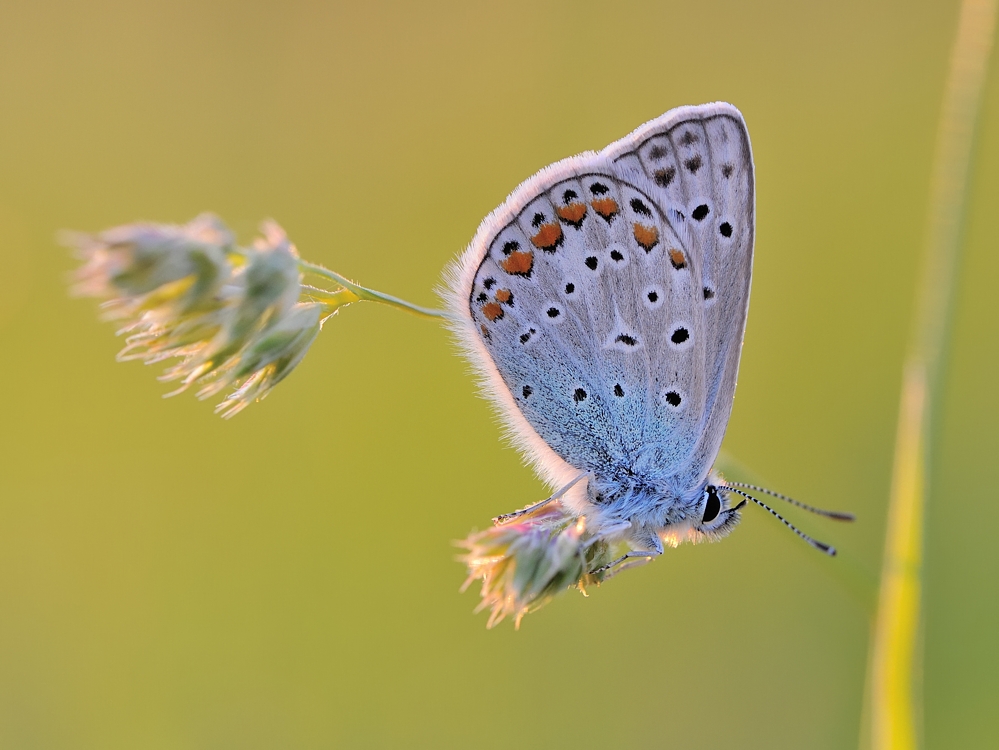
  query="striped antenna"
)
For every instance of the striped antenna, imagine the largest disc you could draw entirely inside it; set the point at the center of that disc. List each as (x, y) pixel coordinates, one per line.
(821, 546)
(834, 514)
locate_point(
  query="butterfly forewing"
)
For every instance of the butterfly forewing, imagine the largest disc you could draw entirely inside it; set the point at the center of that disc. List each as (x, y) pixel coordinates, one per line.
(609, 294)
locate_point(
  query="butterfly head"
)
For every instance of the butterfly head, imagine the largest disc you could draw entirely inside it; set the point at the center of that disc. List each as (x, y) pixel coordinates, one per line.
(717, 515)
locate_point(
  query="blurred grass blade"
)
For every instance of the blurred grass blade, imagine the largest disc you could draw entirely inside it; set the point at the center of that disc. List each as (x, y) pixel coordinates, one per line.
(895, 658)
(896, 634)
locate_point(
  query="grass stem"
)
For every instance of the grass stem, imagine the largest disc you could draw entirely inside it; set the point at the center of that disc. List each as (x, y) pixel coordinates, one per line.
(896, 658)
(371, 295)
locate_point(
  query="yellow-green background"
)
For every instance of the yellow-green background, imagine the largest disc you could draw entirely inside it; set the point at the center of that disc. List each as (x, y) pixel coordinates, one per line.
(285, 579)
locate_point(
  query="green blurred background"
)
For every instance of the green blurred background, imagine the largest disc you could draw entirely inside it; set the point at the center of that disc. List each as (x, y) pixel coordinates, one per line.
(285, 579)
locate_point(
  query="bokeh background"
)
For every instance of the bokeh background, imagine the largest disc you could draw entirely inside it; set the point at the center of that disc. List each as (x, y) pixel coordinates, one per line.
(286, 579)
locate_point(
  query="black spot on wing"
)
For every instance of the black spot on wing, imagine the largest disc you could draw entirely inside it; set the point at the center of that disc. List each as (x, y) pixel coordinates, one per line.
(689, 138)
(640, 208)
(664, 177)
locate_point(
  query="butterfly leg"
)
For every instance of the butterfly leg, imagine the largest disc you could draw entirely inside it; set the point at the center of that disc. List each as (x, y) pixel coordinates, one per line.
(636, 556)
(508, 517)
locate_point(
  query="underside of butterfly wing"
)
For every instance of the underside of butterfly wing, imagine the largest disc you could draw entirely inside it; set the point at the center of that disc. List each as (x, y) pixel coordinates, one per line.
(604, 304)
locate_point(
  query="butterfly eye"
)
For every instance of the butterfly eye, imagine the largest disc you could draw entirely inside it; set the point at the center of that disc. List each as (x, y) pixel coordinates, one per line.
(712, 507)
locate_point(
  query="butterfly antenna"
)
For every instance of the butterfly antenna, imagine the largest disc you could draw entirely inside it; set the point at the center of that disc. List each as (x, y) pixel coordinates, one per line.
(821, 546)
(834, 514)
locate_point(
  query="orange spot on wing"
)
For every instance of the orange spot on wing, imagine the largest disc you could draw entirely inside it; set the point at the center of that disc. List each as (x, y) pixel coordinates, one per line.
(677, 258)
(518, 262)
(548, 236)
(573, 213)
(606, 207)
(647, 237)
(492, 311)
(503, 295)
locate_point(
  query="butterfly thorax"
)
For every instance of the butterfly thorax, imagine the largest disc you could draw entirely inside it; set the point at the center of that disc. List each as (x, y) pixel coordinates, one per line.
(649, 516)
(641, 502)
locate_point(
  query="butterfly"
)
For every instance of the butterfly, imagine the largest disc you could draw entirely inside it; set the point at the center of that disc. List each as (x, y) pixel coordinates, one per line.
(604, 304)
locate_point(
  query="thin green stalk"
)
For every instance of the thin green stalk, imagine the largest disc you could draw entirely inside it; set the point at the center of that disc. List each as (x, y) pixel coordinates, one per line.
(371, 295)
(332, 301)
(896, 659)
